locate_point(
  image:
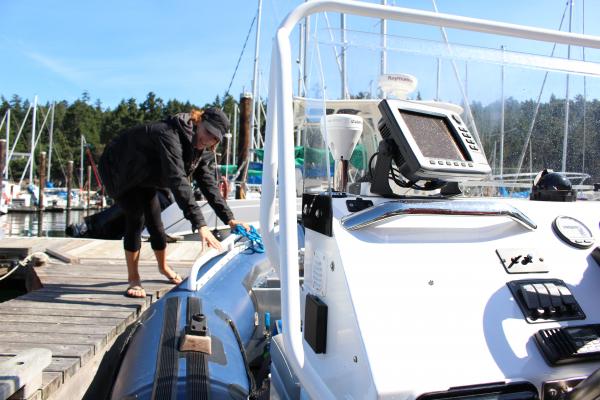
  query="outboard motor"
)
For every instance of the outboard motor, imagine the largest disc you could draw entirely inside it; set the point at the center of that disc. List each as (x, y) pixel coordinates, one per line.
(552, 186)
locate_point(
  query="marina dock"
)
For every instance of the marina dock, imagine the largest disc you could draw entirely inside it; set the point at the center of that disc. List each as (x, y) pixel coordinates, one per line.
(76, 308)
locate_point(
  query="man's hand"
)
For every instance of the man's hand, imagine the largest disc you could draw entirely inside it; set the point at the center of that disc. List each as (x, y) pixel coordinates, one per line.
(208, 239)
(235, 222)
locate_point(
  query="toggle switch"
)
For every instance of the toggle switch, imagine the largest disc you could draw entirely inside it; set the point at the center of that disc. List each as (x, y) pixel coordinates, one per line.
(543, 300)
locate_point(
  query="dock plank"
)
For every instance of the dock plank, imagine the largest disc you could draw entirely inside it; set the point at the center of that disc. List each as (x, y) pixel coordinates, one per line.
(66, 366)
(50, 319)
(81, 351)
(62, 256)
(68, 245)
(87, 313)
(153, 289)
(109, 275)
(46, 303)
(85, 298)
(95, 339)
(65, 332)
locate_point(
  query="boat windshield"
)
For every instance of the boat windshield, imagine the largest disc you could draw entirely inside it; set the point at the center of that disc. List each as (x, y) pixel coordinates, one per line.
(530, 105)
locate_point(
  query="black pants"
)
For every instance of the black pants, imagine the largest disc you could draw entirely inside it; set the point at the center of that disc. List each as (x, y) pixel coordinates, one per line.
(141, 205)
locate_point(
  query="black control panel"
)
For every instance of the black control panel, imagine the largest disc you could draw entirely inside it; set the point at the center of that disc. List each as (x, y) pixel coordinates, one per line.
(544, 300)
(569, 345)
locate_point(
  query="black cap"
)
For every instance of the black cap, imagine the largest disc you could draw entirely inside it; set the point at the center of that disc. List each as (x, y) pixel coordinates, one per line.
(216, 122)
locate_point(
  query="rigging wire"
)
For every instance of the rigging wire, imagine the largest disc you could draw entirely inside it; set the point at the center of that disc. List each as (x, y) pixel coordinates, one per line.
(584, 93)
(308, 76)
(241, 55)
(37, 139)
(60, 163)
(539, 100)
(16, 140)
(324, 110)
(461, 85)
(331, 37)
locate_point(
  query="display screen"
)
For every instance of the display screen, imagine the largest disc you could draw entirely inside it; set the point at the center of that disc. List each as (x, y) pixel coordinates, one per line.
(433, 136)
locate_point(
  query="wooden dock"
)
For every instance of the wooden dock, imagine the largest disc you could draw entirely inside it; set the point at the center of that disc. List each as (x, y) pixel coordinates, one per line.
(76, 307)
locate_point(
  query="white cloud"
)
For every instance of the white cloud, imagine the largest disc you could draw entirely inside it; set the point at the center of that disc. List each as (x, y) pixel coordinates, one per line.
(57, 66)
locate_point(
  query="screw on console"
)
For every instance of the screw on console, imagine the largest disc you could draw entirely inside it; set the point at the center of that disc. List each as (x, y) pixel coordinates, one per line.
(528, 259)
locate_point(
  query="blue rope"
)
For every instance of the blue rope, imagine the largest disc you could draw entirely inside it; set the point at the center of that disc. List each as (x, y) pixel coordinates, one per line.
(253, 236)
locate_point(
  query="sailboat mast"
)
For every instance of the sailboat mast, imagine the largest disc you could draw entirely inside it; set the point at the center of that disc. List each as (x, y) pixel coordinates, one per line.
(31, 155)
(235, 132)
(584, 92)
(383, 69)
(305, 56)
(255, 88)
(301, 29)
(5, 172)
(502, 111)
(343, 57)
(50, 142)
(566, 135)
(81, 165)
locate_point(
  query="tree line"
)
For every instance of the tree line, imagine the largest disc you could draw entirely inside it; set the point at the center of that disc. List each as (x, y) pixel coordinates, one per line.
(83, 117)
(546, 147)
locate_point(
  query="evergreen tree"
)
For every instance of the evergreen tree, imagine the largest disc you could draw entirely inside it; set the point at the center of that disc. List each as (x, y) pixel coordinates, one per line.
(152, 108)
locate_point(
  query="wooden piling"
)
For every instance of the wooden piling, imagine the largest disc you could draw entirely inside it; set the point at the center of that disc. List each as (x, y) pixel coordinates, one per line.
(2, 159)
(69, 183)
(89, 186)
(245, 132)
(42, 175)
(42, 183)
(69, 188)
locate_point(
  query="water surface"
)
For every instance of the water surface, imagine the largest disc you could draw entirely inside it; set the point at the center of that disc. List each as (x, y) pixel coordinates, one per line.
(51, 224)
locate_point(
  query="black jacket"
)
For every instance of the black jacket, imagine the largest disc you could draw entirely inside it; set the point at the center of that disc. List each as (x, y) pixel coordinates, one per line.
(161, 155)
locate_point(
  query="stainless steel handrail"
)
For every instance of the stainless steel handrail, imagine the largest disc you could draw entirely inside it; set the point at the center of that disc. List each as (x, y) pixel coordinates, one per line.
(391, 209)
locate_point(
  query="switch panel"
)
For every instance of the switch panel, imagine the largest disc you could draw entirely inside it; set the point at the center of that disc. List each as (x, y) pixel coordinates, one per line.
(545, 300)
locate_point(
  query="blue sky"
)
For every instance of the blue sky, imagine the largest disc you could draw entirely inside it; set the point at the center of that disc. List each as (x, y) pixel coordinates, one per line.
(118, 49)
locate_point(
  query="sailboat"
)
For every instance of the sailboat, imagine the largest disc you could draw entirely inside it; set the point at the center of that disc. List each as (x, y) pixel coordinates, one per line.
(398, 279)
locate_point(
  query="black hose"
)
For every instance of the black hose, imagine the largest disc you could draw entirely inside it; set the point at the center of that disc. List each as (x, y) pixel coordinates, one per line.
(244, 357)
(370, 165)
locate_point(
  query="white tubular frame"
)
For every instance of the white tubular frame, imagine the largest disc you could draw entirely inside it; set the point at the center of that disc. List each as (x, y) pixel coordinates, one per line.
(279, 147)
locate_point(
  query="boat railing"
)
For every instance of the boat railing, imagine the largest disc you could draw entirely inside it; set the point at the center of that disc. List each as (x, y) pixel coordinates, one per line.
(279, 167)
(394, 209)
(194, 283)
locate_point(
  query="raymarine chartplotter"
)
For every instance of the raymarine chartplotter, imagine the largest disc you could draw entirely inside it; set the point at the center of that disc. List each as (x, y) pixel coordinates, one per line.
(428, 143)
